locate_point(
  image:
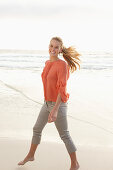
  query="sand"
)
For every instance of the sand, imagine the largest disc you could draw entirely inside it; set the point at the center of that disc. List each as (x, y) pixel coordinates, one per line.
(51, 155)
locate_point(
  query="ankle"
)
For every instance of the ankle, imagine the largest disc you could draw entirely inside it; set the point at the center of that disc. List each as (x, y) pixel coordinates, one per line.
(73, 162)
(30, 154)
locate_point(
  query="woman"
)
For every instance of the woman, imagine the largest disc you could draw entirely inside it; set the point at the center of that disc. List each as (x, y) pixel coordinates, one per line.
(54, 77)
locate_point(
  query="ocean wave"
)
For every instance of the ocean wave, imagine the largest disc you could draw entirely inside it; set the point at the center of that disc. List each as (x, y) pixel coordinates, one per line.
(89, 61)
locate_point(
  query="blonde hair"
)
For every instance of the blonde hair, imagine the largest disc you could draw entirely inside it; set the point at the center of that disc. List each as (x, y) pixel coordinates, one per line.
(70, 55)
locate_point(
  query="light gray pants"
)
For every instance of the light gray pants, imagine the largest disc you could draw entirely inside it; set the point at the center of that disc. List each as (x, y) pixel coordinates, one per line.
(60, 123)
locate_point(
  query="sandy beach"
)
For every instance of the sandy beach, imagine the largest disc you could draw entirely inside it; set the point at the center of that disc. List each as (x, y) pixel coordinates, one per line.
(90, 119)
(51, 155)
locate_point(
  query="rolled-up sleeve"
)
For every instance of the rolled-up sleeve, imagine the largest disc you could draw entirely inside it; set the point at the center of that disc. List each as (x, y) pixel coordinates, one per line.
(63, 75)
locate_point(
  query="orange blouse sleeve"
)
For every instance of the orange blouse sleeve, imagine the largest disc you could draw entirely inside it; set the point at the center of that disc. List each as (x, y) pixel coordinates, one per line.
(63, 75)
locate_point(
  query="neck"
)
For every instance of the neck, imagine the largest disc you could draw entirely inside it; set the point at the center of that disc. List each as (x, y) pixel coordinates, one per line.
(53, 58)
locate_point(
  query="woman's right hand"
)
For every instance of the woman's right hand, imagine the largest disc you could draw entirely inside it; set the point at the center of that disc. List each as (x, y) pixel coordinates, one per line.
(53, 115)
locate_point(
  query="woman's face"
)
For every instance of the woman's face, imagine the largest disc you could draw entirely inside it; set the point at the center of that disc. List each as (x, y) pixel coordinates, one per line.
(54, 48)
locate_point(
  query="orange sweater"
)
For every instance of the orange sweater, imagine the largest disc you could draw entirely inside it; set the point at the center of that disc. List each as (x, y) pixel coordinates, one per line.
(54, 77)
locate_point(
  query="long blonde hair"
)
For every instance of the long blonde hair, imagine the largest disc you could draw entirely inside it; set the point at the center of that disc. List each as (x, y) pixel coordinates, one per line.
(70, 55)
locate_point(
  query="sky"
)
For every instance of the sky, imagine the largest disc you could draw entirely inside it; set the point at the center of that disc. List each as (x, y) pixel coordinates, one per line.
(30, 24)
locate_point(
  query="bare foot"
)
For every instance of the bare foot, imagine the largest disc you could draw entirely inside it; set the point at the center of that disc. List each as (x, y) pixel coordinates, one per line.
(28, 158)
(75, 166)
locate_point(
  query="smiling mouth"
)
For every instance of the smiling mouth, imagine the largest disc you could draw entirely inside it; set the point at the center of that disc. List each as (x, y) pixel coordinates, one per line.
(53, 52)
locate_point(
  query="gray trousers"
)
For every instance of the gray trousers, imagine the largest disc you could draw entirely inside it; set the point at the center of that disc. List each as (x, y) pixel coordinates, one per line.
(60, 123)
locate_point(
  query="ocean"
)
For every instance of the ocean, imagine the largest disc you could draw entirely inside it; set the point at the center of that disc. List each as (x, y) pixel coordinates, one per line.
(90, 61)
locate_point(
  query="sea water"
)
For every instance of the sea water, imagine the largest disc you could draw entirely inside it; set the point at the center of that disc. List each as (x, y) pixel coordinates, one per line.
(90, 61)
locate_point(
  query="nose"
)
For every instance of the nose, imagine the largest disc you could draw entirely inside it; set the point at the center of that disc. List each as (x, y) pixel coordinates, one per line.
(53, 49)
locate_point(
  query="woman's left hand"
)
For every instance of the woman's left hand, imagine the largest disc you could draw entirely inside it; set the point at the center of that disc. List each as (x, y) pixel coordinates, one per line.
(53, 115)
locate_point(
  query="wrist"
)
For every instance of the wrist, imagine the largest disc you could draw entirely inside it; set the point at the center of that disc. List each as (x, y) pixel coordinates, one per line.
(56, 107)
